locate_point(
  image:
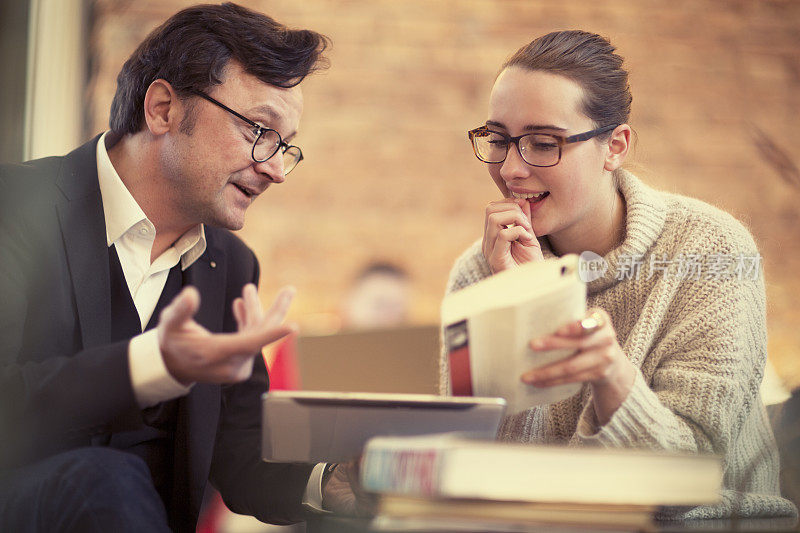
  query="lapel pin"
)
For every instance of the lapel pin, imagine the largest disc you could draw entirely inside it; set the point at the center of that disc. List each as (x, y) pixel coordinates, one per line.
(213, 264)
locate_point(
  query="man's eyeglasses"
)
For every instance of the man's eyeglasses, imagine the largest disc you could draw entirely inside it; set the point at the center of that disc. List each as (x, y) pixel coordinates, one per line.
(536, 149)
(266, 142)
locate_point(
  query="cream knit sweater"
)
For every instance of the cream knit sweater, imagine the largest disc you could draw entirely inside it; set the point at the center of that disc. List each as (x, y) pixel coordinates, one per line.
(700, 346)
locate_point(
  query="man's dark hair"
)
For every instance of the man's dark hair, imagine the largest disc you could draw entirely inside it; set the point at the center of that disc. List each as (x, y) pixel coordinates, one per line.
(193, 47)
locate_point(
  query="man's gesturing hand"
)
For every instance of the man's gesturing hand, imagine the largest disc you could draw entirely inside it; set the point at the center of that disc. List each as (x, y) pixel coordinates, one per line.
(194, 354)
(344, 495)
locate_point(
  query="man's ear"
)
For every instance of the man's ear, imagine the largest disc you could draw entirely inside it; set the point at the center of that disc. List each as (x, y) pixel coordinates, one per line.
(618, 145)
(161, 107)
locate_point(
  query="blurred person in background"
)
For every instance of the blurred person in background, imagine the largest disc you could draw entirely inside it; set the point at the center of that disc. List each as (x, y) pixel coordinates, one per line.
(378, 297)
(671, 358)
(131, 329)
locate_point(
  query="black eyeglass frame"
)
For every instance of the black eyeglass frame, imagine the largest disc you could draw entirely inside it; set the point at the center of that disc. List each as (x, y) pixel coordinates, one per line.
(258, 131)
(560, 140)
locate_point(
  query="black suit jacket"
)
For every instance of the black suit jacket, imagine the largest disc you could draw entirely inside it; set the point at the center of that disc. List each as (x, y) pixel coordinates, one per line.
(63, 383)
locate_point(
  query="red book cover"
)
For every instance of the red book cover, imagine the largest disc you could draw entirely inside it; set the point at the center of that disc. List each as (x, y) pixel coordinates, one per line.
(457, 343)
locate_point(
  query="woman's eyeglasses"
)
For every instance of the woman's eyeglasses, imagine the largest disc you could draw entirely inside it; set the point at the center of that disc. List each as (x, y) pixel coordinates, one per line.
(536, 149)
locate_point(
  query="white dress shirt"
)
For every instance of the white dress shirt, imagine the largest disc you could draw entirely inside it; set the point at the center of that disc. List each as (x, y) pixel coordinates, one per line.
(133, 234)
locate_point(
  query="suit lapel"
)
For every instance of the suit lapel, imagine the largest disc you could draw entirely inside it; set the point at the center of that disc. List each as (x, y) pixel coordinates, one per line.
(195, 434)
(208, 275)
(200, 409)
(83, 230)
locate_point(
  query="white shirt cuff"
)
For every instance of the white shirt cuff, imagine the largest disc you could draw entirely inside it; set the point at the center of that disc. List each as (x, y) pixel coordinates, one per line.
(312, 498)
(151, 381)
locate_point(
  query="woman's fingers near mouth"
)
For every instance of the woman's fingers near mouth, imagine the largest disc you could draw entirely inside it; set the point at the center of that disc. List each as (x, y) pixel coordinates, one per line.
(526, 208)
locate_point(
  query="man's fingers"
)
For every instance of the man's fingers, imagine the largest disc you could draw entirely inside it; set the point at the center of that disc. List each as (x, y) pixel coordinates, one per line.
(252, 305)
(182, 308)
(249, 341)
(234, 353)
(277, 311)
(239, 313)
(252, 315)
(245, 370)
(231, 369)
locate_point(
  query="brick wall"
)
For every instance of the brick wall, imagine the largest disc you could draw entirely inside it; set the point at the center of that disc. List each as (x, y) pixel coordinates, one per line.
(716, 90)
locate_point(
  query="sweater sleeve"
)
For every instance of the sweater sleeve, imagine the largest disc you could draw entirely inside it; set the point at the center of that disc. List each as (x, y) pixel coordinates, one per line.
(708, 367)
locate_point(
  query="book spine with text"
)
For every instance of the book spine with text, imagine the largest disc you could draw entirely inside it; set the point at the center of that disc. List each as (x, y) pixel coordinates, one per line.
(401, 470)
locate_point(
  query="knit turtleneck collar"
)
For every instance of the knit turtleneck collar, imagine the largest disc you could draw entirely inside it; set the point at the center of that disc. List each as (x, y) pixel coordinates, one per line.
(645, 214)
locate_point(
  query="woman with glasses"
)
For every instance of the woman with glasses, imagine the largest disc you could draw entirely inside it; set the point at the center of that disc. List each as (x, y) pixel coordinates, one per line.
(672, 352)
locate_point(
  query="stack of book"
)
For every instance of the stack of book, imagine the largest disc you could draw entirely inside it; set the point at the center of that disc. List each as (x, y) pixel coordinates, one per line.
(450, 483)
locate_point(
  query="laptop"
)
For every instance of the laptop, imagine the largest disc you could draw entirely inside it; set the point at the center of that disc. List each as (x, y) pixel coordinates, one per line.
(314, 426)
(398, 360)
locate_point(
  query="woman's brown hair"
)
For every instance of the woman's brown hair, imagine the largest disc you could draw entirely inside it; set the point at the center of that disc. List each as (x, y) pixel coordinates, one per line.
(589, 60)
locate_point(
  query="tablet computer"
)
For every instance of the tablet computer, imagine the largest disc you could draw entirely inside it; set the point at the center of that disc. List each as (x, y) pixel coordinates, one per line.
(314, 427)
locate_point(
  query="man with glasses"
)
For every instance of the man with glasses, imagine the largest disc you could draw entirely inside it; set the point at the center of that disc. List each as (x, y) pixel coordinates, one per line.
(131, 329)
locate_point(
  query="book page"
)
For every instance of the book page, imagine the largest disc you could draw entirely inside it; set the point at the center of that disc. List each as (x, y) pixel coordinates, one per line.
(500, 351)
(503, 314)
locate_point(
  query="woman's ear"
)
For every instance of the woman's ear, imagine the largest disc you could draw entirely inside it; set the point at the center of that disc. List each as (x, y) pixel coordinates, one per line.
(161, 107)
(618, 145)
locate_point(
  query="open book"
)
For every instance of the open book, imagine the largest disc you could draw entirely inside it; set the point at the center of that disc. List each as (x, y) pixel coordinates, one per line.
(488, 327)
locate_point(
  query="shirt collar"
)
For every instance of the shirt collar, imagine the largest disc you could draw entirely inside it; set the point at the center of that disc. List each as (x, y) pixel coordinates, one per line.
(122, 212)
(191, 245)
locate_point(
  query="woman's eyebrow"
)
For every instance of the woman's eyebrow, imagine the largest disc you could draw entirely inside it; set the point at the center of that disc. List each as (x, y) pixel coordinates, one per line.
(529, 127)
(537, 127)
